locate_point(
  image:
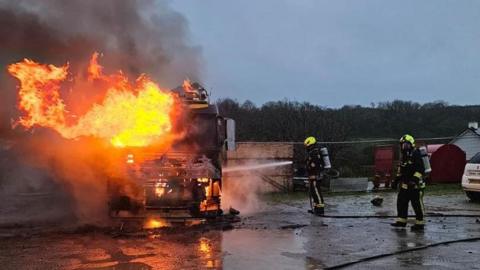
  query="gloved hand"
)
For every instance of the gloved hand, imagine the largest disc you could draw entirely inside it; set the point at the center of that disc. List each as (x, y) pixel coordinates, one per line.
(414, 181)
(395, 182)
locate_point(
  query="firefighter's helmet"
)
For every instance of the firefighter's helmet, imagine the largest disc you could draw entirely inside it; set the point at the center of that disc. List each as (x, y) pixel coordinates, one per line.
(407, 138)
(310, 141)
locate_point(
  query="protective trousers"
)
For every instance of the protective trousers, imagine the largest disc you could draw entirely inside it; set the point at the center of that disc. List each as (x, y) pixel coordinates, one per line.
(316, 191)
(415, 196)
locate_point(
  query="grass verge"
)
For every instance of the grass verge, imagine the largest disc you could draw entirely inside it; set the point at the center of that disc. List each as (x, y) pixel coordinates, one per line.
(431, 190)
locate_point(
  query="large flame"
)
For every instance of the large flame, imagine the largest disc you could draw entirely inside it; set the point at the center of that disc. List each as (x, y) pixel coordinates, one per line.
(130, 114)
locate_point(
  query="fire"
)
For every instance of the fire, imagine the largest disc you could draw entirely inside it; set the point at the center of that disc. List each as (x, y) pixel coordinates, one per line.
(205, 245)
(187, 85)
(130, 114)
(153, 223)
(94, 69)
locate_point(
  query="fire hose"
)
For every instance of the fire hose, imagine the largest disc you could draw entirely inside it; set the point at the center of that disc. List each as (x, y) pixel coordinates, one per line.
(380, 256)
(387, 216)
(395, 216)
(332, 173)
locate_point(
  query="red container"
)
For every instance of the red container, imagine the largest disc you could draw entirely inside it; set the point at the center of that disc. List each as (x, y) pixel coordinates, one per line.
(431, 148)
(448, 163)
(383, 165)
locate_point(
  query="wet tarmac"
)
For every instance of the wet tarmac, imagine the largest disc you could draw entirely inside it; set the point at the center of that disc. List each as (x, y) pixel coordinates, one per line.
(281, 236)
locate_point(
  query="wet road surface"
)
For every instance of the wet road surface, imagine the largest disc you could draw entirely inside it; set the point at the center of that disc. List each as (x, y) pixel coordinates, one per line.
(281, 236)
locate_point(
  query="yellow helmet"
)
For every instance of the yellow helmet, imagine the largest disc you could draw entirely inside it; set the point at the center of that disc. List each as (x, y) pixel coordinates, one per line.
(310, 141)
(407, 138)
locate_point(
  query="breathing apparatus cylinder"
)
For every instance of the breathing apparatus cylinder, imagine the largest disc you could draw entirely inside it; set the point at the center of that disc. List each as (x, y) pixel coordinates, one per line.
(425, 159)
(325, 158)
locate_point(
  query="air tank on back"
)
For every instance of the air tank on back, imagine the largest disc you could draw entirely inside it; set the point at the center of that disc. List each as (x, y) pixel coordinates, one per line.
(425, 159)
(325, 158)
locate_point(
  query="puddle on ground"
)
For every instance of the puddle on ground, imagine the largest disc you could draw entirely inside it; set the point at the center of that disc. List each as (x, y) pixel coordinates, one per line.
(257, 249)
(235, 249)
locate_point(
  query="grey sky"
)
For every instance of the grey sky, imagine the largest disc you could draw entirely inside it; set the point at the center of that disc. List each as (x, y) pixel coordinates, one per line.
(332, 52)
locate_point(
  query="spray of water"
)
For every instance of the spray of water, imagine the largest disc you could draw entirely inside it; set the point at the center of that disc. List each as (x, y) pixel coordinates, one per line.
(256, 166)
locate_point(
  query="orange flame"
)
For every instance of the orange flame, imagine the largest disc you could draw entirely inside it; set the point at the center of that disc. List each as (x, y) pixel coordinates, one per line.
(187, 85)
(94, 69)
(130, 114)
(154, 223)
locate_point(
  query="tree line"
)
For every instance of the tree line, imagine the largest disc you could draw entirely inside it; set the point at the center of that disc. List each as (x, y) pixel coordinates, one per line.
(293, 121)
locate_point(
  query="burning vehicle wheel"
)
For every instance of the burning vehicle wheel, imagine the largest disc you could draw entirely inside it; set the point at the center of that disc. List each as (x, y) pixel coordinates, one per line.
(116, 205)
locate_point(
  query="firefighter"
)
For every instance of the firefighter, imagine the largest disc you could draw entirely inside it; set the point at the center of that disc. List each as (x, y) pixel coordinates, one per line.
(410, 184)
(314, 166)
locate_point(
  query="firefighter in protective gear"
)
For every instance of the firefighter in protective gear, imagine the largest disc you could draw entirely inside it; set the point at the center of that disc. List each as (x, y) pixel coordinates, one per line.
(314, 166)
(410, 184)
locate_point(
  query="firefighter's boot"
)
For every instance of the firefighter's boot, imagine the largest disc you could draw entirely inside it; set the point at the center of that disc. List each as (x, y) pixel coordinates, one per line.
(399, 224)
(417, 227)
(319, 209)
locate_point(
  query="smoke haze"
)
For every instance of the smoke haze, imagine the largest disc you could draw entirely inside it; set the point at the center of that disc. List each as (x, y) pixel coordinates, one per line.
(133, 36)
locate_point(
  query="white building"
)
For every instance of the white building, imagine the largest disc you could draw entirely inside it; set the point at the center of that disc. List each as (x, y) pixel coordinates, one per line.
(469, 140)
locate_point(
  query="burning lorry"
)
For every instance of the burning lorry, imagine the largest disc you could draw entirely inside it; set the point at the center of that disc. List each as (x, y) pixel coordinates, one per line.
(167, 146)
(184, 181)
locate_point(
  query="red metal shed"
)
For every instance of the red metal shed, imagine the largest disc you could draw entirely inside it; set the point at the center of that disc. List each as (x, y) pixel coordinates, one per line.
(431, 148)
(448, 163)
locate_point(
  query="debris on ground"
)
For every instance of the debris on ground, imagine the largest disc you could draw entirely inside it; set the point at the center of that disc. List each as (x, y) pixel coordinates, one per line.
(233, 211)
(377, 201)
(293, 226)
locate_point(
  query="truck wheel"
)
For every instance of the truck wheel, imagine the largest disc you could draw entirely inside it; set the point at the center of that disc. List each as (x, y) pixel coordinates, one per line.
(473, 196)
(195, 210)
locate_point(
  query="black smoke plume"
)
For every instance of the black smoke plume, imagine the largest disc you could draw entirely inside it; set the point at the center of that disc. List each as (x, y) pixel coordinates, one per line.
(41, 173)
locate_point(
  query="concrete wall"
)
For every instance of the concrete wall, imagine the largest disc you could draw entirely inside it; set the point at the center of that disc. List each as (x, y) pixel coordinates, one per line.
(348, 184)
(254, 153)
(262, 150)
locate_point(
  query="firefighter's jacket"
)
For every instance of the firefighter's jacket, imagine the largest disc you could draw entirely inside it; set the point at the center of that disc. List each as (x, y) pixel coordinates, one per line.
(314, 161)
(411, 170)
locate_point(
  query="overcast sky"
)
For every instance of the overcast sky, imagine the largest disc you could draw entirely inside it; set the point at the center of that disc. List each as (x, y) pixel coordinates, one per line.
(333, 52)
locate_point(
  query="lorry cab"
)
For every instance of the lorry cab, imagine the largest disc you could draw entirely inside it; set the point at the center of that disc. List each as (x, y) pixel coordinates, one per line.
(186, 180)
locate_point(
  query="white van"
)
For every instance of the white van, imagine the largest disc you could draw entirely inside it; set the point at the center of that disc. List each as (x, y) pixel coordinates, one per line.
(471, 178)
